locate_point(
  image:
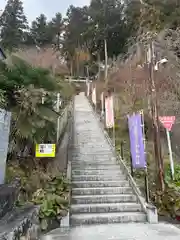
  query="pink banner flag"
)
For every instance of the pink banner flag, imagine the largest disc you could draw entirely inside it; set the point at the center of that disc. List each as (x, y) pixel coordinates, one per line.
(109, 109)
(94, 96)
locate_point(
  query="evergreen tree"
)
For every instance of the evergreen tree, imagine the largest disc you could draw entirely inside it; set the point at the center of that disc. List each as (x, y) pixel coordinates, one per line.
(90, 26)
(55, 30)
(40, 31)
(13, 23)
(108, 23)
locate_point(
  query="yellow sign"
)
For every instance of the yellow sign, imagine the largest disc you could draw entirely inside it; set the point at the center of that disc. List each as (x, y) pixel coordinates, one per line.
(45, 150)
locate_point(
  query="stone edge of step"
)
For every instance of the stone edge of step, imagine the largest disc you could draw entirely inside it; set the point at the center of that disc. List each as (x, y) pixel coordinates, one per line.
(82, 184)
(84, 218)
(121, 207)
(98, 190)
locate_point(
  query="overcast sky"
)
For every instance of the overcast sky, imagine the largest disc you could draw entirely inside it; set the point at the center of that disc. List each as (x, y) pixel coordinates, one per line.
(33, 8)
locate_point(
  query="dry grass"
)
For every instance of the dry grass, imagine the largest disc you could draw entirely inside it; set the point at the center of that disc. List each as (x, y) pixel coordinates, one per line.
(45, 57)
(130, 86)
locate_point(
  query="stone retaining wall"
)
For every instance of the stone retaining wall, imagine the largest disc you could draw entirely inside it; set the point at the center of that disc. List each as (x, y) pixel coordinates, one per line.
(21, 223)
(16, 223)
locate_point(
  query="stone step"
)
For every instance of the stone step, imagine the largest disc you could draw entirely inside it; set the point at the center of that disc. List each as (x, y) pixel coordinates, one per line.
(97, 178)
(102, 190)
(93, 164)
(98, 144)
(105, 207)
(94, 184)
(96, 167)
(93, 146)
(84, 151)
(105, 218)
(117, 198)
(90, 140)
(92, 154)
(93, 161)
(97, 172)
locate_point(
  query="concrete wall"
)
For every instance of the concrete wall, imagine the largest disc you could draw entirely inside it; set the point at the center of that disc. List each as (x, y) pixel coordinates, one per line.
(17, 223)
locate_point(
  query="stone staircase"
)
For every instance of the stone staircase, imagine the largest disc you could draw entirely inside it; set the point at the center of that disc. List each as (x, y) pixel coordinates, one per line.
(101, 192)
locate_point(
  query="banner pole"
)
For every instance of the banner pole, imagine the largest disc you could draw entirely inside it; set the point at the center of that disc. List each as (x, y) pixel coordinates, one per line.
(102, 104)
(96, 100)
(102, 109)
(146, 182)
(88, 88)
(114, 130)
(170, 154)
(132, 170)
(114, 137)
(131, 164)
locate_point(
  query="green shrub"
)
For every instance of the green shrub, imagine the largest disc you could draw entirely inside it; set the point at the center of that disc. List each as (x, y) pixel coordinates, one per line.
(176, 183)
(53, 200)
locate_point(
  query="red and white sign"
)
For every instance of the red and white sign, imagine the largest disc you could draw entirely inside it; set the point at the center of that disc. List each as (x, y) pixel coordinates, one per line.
(109, 111)
(167, 121)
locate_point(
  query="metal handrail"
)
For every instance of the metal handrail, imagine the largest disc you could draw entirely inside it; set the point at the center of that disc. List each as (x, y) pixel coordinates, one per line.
(64, 118)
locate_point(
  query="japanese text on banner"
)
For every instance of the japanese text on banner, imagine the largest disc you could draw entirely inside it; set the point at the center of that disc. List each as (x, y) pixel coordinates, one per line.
(136, 141)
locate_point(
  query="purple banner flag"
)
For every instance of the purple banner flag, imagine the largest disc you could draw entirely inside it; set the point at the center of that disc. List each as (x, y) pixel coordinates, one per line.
(136, 141)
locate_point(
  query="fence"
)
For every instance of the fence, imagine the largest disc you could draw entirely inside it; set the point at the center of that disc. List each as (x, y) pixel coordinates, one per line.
(63, 120)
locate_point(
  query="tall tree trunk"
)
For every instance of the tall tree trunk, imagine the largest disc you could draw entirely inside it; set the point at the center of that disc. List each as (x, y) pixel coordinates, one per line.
(106, 60)
(99, 69)
(71, 67)
(58, 41)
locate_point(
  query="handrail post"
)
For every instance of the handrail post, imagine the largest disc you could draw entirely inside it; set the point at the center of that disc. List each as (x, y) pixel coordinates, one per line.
(122, 150)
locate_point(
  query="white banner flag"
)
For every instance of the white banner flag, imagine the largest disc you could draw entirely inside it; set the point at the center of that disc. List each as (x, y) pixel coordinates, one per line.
(94, 96)
(109, 111)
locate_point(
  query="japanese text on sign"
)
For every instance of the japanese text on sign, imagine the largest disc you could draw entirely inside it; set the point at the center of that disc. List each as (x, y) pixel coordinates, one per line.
(45, 150)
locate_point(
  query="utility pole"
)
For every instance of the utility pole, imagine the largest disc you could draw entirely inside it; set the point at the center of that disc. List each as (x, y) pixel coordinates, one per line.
(155, 117)
(71, 68)
(99, 67)
(106, 61)
(87, 70)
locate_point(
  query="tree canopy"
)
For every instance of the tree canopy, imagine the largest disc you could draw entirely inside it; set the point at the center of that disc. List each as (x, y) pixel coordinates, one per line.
(13, 23)
(87, 27)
